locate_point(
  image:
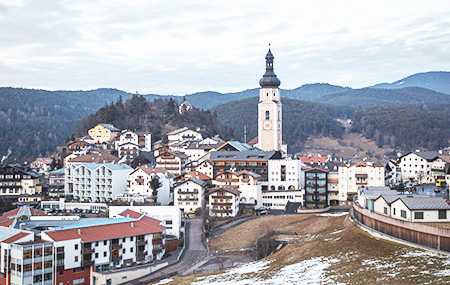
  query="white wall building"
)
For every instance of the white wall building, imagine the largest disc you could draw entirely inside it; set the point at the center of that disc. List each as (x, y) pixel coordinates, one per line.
(138, 183)
(184, 134)
(360, 174)
(224, 201)
(248, 183)
(189, 195)
(285, 174)
(417, 165)
(169, 215)
(96, 182)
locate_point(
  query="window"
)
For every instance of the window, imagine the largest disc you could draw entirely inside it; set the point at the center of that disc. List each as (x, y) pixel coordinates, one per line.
(394, 210)
(267, 115)
(96, 255)
(123, 240)
(403, 214)
(76, 247)
(104, 254)
(105, 242)
(124, 250)
(76, 258)
(131, 249)
(385, 211)
(417, 215)
(442, 214)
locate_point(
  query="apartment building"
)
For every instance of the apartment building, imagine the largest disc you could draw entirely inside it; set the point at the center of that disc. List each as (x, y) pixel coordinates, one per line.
(18, 180)
(189, 195)
(96, 182)
(103, 133)
(359, 174)
(174, 162)
(224, 201)
(316, 188)
(248, 183)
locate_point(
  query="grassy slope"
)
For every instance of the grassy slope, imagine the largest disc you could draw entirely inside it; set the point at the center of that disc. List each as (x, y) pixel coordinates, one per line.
(361, 259)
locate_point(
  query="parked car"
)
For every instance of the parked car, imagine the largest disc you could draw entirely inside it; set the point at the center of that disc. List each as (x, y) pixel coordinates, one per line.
(262, 212)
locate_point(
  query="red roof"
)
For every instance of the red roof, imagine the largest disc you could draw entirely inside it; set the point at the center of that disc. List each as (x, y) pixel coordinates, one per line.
(313, 159)
(16, 237)
(7, 223)
(131, 214)
(199, 175)
(253, 141)
(149, 170)
(144, 225)
(95, 158)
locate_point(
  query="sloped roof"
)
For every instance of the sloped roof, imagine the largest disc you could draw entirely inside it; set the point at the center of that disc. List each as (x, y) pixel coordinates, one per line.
(312, 159)
(198, 175)
(226, 188)
(117, 229)
(110, 127)
(423, 203)
(9, 235)
(428, 155)
(242, 155)
(178, 131)
(193, 179)
(149, 170)
(240, 173)
(95, 158)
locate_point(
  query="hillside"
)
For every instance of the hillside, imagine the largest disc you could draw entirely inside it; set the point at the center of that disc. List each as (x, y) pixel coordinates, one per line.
(33, 122)
(437, 80)
(301, 119)
(326, 249)
(405, 128)
(370, 97)
(158, 117)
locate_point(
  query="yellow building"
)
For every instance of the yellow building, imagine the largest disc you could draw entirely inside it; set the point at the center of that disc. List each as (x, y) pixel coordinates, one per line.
(16, 181)
(103, 133)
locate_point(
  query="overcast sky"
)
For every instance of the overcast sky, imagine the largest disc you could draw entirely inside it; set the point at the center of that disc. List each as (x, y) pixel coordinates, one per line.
(183, 47)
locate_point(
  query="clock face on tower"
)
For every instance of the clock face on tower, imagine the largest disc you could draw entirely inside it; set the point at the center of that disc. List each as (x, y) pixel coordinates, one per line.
(267, 125)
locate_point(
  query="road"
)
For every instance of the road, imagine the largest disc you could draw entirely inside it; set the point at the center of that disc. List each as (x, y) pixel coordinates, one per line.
(195, 252)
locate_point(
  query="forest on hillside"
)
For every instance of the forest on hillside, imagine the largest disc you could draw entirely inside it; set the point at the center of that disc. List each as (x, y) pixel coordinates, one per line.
(158, 117)
(301, 119)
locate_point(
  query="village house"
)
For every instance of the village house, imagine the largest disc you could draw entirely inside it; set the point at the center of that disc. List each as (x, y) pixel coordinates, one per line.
(17, 180)
(224, 201)
(103, 133)
(189, 195)
(184, 134)
(174, 162)
(138, 183)
(248, 183)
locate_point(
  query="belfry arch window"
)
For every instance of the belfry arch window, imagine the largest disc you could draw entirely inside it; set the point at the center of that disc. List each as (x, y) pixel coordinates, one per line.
(267, 115)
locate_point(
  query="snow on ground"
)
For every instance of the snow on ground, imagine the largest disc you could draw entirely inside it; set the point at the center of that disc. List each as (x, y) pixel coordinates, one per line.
(310, 271)
(164, 281)
(337, 214)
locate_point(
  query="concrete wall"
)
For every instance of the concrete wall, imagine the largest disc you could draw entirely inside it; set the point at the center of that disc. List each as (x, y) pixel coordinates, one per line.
(125, 275)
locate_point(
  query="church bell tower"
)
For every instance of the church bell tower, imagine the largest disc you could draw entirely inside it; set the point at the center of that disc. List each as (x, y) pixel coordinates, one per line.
(269, 109)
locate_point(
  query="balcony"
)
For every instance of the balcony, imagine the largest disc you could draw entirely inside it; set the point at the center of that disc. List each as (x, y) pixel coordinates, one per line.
(87, 250)
(222, 204)
(139, 180)
(141, 256)
(219, 211)
(187, 191)
(361, 182)
(245, 180)
(155, 251)
(115, 258)
(188, 199)
(141, 243)
(157, 241)
(85, 263)
(115, 246)
(235, 180)
(60, 267)
(221, 197)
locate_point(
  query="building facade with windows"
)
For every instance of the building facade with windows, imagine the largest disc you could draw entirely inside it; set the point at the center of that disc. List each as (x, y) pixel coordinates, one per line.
(189, 195)
(316, 188)
(224, 201)
(103, 133)
(248, 183)
(96, 182)
(16, 180)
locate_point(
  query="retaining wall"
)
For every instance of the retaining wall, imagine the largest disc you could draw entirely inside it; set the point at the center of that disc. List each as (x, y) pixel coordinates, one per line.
(429, 236)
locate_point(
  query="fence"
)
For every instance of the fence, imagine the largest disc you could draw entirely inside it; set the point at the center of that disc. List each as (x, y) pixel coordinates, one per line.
(429, 236)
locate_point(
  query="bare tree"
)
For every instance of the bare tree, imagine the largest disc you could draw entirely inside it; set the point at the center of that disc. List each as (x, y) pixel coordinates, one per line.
(209, 221)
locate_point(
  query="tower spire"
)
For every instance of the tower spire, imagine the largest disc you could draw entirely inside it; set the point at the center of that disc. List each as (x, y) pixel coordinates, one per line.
(269, 78)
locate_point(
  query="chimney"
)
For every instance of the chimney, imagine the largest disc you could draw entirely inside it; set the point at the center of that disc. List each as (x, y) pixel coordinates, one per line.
(128, 215)
(440, 151)
(132, 225)
(79, 231)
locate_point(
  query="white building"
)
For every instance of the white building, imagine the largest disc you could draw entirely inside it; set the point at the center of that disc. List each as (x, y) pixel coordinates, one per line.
(41, 165)
(224, 201)
(285, 174)
(142, 139)
(169, 215)
(103, 245)
(417, 165)
(360, 174)
(96, 182)
(248, 183)
(138, 183)
(189, 195)
(413, 208)
(184, 134)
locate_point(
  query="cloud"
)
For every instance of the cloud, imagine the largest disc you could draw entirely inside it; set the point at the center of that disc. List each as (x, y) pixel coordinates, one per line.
(185, 47)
